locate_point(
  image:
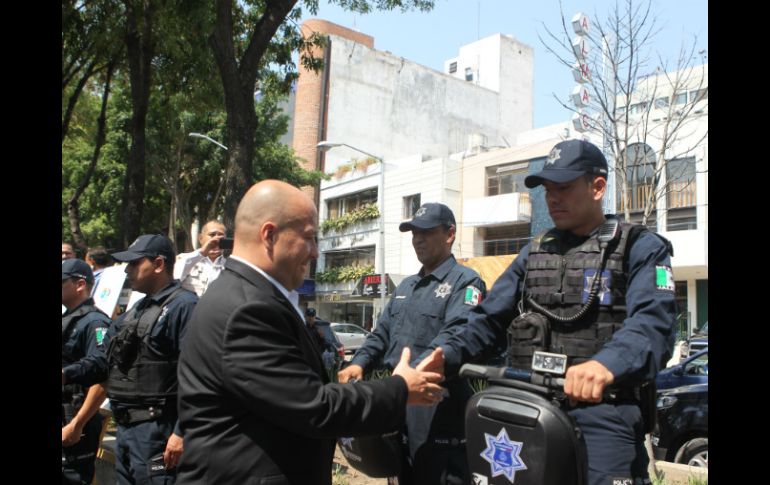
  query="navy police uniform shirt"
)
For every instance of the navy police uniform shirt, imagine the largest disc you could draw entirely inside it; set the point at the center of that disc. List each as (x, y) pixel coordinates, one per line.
(638, 350)
(167, 334)
(422, 314)
(87, 343)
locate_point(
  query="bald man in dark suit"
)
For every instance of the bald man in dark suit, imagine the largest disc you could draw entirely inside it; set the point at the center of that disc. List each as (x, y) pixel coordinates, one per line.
(256, 405)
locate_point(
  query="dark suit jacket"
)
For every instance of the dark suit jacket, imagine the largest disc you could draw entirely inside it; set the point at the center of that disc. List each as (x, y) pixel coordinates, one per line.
(255, 403)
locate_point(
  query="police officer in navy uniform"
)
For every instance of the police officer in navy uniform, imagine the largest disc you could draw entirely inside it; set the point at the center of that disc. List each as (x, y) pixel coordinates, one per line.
(84, 330)
(426, 309)
(618, 332)
(143, 354)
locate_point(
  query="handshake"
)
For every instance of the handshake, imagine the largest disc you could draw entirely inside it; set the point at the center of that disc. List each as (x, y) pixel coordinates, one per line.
(421, 381)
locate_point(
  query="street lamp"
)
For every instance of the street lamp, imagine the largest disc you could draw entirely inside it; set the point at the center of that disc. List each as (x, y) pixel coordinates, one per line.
(201, 135)
(325, 145)
(194, 234)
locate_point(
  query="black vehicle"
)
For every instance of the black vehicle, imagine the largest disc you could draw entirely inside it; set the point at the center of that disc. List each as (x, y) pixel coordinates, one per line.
(681, 433)
(692, 370)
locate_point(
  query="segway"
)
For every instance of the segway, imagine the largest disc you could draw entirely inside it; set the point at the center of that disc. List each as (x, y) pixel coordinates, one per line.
(515, 430)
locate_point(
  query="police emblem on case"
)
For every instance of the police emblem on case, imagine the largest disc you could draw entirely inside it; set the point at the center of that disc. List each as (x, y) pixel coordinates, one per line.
(503, 455)
(553, 156)
(443, 290)
(605, 286)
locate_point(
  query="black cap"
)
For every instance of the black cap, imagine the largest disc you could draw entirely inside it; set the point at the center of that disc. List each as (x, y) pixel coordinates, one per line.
(310, 312)
(569, 160)
(429, 216)
(76, 268)
(147, 246)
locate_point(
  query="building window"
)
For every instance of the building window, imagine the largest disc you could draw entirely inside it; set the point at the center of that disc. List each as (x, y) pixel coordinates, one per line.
(342, 205)
(661, 103)
(506, 240)
(699, 95)
(355, 257)
(680, 98)
(506, 179)
(468, 74)
(681, 194)
(639, 162)
(411, 204)
(452, 67)
(680, 174)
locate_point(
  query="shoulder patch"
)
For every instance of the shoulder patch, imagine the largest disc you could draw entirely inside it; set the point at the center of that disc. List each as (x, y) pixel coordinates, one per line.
(100, 333)
(472, 296)
(664, 278)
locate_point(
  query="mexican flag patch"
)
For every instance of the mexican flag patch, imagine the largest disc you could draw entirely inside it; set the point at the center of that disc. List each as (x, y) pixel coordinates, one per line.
(664, 278)
(472, 296)
(100, 333)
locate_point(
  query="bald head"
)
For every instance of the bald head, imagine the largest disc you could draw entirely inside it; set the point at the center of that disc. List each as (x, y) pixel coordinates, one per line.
(271, 200)
(275, 227)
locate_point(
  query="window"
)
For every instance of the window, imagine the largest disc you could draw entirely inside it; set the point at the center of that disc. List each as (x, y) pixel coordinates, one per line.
(638, 108)
(355, 257)
(411, 204)
(506, 179)
(680, 174)
(506, 240)
(680, 98)
(699, 95)
(661, 103)
(639, 162)
(468, 74)
(452, 67)
(342, 205)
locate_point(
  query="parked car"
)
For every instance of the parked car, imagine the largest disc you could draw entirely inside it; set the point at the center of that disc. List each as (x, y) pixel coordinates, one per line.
(697, 341)
(352, 336)
(692, 370)
(681, 434)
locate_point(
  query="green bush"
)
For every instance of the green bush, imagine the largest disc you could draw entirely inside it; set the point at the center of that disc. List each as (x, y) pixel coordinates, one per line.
(363, 213)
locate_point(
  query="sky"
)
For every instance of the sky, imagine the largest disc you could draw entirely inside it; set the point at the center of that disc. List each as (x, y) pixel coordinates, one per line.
(431, 38)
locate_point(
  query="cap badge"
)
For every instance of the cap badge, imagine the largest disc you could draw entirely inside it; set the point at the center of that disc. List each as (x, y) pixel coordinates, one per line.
(420, 212)
(553, 156)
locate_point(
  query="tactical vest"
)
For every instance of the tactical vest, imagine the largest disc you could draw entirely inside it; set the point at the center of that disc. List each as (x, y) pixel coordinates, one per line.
(140, 376)
(561, 284)
(72, 394)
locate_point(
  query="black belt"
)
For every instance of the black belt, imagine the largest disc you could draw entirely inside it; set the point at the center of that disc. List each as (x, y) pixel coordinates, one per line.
(129, 416)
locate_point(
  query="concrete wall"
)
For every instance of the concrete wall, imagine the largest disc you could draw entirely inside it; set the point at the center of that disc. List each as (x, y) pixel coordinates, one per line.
(392, 107)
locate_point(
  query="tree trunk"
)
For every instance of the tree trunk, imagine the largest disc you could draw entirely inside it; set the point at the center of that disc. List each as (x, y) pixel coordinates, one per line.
(73, 99)
(139, 47)
(101, 132)
(239, 82)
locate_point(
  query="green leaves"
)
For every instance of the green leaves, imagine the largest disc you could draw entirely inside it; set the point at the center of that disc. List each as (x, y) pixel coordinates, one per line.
(363, 213)
(343, 273)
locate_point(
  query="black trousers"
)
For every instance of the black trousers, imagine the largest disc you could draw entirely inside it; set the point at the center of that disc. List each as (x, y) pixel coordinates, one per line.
(78, 461)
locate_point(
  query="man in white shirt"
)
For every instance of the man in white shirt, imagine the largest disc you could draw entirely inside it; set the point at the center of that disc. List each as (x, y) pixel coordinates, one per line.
(197, 269)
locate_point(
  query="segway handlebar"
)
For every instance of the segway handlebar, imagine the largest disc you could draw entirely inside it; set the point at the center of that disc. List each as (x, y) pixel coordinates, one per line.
(511, 373)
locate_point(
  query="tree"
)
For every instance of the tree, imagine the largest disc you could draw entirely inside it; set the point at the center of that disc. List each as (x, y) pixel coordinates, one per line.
(650, 117)
(270, 36)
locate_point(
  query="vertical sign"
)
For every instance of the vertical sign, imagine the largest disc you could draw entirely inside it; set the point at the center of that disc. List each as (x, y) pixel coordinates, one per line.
(580, 72)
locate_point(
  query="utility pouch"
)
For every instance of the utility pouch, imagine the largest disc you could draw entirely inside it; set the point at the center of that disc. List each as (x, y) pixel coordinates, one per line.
(123, 348)
(527, 333)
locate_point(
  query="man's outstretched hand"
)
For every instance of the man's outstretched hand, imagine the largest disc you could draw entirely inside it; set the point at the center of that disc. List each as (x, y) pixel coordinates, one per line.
(422, 382)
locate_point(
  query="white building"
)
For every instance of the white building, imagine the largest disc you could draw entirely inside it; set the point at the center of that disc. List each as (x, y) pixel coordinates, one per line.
(411, 116)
